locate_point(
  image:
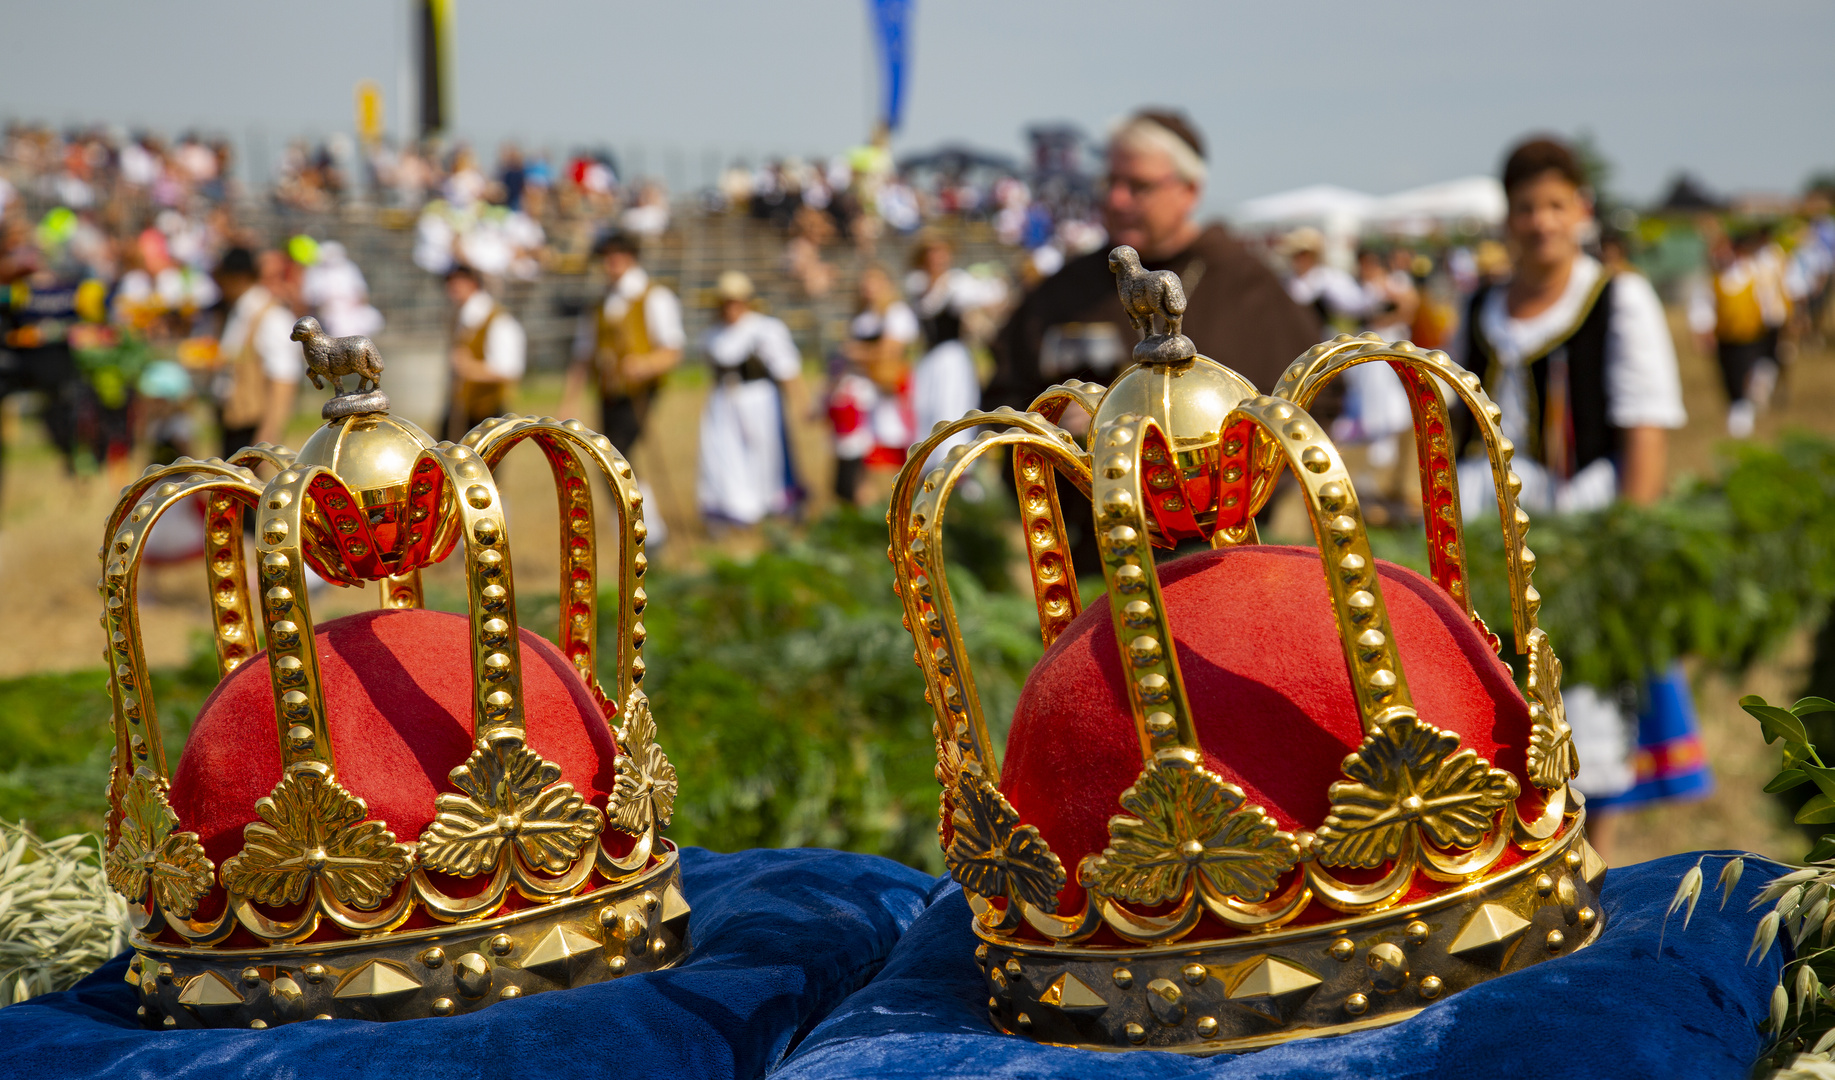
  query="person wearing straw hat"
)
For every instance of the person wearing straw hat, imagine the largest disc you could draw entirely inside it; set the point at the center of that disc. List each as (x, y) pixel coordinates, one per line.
(1330, 291)
(745, 471)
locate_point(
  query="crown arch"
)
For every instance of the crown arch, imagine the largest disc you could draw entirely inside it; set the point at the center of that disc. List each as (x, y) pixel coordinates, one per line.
(1421, 371)
(921, 576)
(563, 444)
(138, 743)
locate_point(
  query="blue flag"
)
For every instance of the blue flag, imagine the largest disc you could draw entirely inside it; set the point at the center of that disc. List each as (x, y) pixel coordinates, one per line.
(891, 18)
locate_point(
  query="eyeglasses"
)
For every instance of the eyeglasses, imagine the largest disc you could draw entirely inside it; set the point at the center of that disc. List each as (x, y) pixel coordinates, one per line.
(1136, 189)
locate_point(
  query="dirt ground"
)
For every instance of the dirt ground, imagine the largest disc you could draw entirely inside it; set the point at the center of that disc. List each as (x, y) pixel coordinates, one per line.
(50, 530)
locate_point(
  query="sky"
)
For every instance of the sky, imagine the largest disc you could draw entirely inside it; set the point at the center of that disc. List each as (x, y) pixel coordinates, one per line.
(1369, 95)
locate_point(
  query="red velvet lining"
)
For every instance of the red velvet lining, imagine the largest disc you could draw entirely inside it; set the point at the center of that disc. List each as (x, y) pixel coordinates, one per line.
(1265, 673)
(397, 688)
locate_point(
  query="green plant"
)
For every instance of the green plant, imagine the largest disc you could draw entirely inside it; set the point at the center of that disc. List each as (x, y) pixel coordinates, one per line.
(786, 694)
(1803, 899)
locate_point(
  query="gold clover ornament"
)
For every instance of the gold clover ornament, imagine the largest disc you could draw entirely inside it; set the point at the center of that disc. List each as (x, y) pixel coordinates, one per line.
(313, 831)
(1551, 741)
(1406, 777)
(510, 796)
(644, 795)
(151, 857)
(992, 854)
(1188, 820)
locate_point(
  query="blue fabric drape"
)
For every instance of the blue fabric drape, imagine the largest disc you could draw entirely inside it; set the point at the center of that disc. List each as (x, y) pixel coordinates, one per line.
(1615, 1009)
(780, 938)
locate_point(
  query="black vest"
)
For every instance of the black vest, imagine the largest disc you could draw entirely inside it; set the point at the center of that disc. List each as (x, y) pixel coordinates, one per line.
(1579, 359)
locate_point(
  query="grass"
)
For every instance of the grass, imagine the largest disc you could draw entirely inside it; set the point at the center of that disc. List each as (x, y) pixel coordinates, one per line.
(56, 737)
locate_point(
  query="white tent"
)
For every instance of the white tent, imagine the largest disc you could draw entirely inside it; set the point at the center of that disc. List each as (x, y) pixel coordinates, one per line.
(1343, 214)
(1336, 212)
(1476, 199)
(1319, 205)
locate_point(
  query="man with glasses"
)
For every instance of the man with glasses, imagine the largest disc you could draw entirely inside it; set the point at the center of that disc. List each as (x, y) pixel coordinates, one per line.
(1072, 325)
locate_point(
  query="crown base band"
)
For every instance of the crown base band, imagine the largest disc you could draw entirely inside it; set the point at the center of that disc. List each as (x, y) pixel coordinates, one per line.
(636, 925)
(1252, 992)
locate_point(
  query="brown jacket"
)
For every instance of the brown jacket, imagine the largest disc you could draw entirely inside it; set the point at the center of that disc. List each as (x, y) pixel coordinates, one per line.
(1237, 314)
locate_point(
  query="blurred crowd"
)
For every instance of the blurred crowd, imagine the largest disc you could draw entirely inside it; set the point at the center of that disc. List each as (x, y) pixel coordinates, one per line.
(142, 307)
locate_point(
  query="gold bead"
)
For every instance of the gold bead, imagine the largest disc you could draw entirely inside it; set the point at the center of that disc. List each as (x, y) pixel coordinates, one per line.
(1343, 949)
(501, 945)
(1207, 1027)
(1417, 932)
(1356, 1004)
(1136, 1034)
(443, 1006)
(1431, 987)
(1123, 977)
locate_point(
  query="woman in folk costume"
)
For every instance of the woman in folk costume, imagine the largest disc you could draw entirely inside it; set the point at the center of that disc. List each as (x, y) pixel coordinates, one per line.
(869, 399)
(944, 385)
(1581, 363)
(746, 470)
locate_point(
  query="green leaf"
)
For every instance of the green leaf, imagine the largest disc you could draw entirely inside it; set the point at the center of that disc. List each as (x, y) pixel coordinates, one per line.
(1818, 811)
(1774, 721)
(1786, 780)
(1810, 706)
(1824, 849)
(1824, 779)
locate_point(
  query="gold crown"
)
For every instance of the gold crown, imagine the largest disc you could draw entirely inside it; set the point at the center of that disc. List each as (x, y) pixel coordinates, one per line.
(516, 885)
(1204, 927)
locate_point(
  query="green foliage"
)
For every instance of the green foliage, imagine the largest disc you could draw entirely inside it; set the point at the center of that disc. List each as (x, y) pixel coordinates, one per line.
(1803, 912)
(55, 730)
(785, 693)
(1723, 570)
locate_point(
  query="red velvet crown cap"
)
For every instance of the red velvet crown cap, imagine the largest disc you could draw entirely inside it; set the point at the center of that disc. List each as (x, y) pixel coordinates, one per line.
(397, 688)
(1265, 673)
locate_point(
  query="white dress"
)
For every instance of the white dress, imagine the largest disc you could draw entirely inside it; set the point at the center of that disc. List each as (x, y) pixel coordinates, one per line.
(944, 385)
(744, 470)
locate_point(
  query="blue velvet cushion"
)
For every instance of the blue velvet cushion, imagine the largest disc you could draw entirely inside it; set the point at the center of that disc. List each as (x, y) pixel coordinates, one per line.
(780, 938)
(1616, 1009)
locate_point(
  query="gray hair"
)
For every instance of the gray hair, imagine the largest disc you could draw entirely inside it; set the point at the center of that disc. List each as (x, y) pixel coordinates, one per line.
(1145, 133)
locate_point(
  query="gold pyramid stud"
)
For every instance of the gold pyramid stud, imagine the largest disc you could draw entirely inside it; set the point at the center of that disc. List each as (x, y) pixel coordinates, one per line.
(1489, 936)
(674, 917)
(376, 980)
(1592, 867)
(1271, 987)
(1073, 995)
(560, 953)
(209, 993)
